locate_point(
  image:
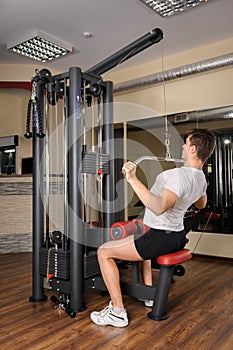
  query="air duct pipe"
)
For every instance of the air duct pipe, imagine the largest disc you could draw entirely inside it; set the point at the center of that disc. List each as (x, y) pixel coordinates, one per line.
(176, 73)
(219, 113)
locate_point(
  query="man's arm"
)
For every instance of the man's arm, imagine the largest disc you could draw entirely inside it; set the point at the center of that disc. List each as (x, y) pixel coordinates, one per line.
(156, 203)
(201, 202)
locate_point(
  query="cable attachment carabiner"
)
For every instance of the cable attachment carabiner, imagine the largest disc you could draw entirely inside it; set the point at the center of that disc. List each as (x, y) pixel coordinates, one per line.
(167, 144)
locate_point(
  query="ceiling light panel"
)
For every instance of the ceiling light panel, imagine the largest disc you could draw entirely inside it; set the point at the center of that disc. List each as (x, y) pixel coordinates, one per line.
(167, 8)
(41, 47)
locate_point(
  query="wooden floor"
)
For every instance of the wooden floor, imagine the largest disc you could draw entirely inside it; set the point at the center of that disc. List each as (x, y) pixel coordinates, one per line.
(200, 313)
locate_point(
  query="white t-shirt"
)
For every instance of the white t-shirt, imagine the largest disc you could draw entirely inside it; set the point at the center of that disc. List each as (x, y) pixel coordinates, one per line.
(189, 184)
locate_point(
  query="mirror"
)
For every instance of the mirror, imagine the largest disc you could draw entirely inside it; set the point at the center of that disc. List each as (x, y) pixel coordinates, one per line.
(218, 169)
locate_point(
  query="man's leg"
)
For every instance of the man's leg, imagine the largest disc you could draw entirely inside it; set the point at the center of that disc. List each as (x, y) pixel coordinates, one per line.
(107, 253)
(147, 280)
(146, 272)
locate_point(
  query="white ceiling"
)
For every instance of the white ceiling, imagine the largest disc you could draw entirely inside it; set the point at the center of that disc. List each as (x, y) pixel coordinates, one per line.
(114, 24)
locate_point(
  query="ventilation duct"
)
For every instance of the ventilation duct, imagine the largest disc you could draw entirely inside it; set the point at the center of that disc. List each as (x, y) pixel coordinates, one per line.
(220, 113)
(176, 73)
(214, 114)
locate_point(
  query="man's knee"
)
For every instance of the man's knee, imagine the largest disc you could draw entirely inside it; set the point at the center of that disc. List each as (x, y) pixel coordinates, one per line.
(101, 252)
(106, 251)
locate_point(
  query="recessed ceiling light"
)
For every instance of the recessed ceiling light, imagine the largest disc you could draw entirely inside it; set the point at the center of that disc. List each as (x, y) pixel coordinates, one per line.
(41, 47)
(167, 8)
(87, 35)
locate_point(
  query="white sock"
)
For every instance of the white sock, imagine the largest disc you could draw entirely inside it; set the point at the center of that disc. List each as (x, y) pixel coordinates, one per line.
(118, 311)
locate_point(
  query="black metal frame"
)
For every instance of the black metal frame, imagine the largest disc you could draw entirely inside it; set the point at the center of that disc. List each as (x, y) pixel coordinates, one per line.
(77, 283)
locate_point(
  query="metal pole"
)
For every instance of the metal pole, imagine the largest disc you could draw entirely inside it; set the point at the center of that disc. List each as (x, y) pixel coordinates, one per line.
(74, 193)
(108, 148)
(140, 44)
(37, 204)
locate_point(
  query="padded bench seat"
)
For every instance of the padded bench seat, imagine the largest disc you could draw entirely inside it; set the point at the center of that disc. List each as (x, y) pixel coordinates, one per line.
(174, 258)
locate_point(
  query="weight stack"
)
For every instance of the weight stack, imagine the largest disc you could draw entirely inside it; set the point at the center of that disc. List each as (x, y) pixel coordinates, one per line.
(89, 162)
(103, 163)
(91, 265)
(59, 263)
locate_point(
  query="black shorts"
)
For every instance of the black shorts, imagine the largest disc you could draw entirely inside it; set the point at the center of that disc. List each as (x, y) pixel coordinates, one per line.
(158, 242)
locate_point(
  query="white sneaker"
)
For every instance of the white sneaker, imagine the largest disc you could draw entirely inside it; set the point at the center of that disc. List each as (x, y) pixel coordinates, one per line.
(107, 317)
(147, 302)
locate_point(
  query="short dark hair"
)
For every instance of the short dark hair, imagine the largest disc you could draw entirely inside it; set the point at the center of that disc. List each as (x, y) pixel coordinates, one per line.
(204, 140)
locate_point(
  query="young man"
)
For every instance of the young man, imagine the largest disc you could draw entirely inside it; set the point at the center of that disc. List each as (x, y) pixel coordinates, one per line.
(172, 193)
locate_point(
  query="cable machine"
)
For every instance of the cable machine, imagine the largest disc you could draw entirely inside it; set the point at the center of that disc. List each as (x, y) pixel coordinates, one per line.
(65, 260)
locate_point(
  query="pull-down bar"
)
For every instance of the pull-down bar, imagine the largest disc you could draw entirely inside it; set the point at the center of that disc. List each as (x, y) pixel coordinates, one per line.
(159, 159)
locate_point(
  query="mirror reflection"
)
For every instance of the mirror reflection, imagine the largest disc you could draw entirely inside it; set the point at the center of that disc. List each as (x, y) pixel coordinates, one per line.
(218, 217)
